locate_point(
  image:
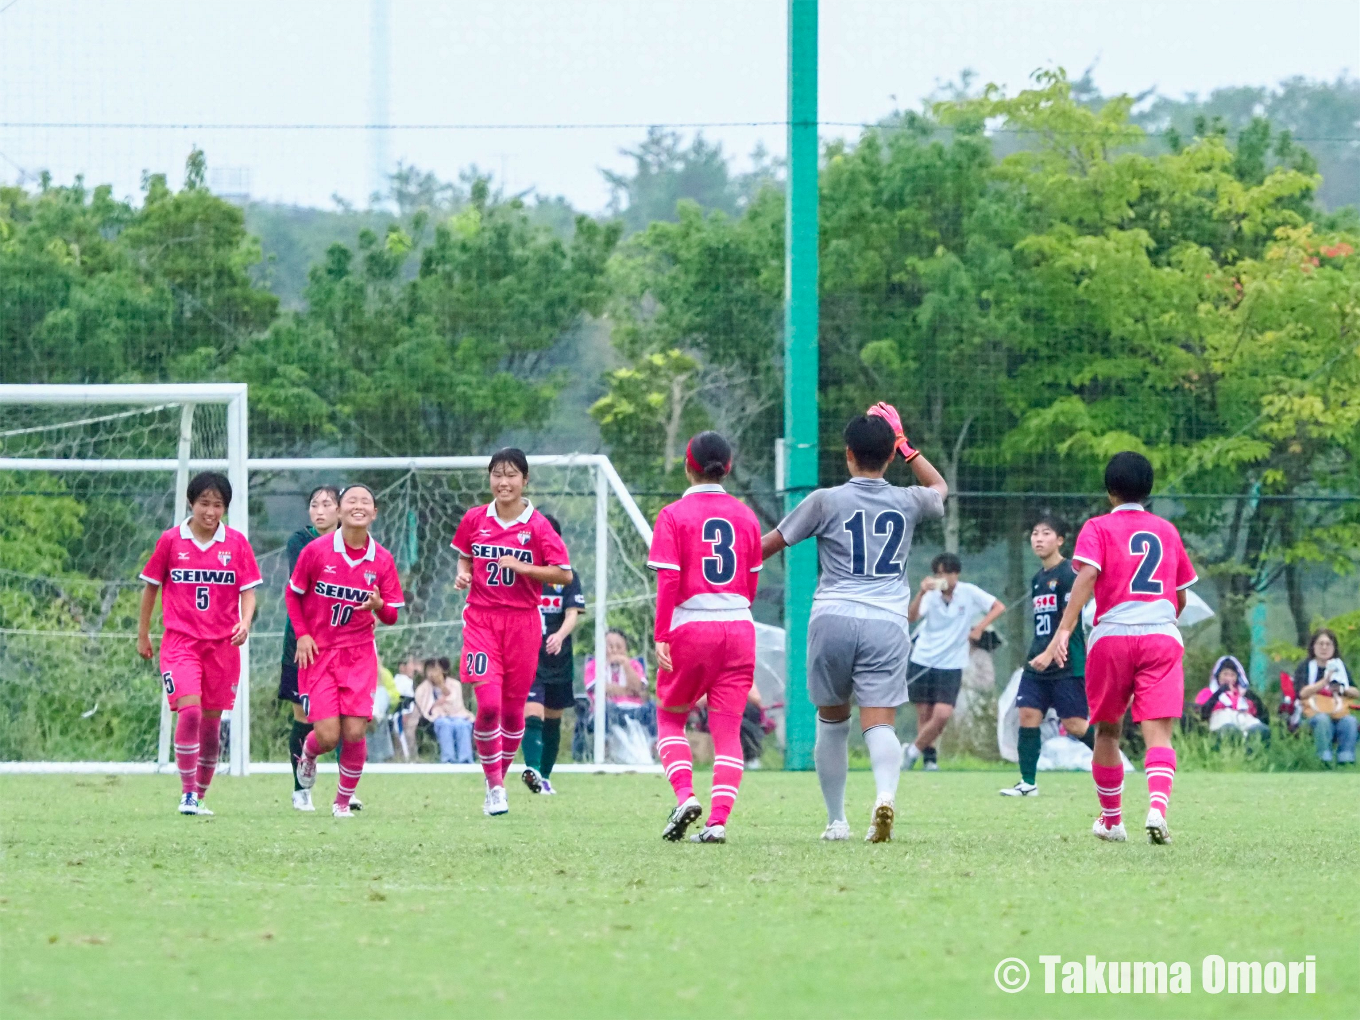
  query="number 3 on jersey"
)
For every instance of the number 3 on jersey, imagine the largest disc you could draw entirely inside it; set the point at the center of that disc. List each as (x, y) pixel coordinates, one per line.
(1148, 546)
(889, 523)
(721, 566)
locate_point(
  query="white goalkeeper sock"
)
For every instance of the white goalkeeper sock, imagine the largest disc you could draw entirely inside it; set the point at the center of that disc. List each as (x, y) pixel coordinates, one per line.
(832, 756)
(885, 757)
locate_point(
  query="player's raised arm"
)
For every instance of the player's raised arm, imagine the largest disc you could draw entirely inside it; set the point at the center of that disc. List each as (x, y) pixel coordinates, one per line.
(925, 472)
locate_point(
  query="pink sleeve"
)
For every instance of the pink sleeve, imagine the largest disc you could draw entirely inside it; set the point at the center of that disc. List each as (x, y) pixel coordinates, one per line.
(462, 538)
(1089, 547)
(154, 571)
(1185, 570)
(389, 587)
(664, 553)
(667, 590)
(553, 548)
(248, 576)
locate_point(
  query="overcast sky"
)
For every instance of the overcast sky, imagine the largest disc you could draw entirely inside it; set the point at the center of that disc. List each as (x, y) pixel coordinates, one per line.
(631, 62)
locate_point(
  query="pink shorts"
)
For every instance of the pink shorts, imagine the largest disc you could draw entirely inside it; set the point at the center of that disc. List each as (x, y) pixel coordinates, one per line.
(340, 681)
(209, 670)
(1144, 667)
(500, 647)
(713, 657)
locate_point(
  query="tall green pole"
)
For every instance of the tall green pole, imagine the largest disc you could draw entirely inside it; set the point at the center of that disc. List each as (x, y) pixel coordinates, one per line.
(800, 370)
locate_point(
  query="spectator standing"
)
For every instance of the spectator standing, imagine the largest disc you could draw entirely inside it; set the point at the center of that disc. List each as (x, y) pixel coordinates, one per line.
(946, 608)
(440, 700)
(1230, 703)
(1323, 673)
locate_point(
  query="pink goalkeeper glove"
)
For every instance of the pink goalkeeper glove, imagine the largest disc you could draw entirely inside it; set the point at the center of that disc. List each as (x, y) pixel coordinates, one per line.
(889, 414)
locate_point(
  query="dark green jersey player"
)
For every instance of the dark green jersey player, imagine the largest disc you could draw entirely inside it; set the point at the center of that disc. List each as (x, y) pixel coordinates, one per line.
(1062, 688)
(561, 606)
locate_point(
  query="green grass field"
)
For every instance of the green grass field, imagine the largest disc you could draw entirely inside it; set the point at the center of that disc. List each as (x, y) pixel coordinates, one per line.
(114, 906)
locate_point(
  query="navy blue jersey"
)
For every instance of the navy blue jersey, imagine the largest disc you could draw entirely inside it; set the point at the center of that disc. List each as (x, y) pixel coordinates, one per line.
(556, 600)
(1050, 590)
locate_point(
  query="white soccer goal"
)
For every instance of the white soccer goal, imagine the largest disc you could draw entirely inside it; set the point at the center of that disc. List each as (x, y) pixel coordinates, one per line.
(92, 474)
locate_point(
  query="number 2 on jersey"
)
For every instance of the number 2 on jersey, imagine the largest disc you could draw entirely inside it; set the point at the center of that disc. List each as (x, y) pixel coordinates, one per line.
(1149, 547)
(721, 566)
(889, 523)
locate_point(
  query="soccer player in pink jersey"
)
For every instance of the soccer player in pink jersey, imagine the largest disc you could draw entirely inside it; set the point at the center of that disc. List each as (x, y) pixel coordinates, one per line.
(1136, 566)
(343, 582)
(507, 551)
(206, 574)
(706, 554)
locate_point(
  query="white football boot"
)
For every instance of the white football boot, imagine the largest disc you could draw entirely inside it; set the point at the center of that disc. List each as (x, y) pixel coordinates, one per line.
(910, 756)
(188, 804)
(1021, 789)
(306, 772)
(497, 803)
(1112, 834)
(682, 818)
(1156, 827)
(341, 811)
(710, 834)
(302, 800)
(533, 779)
(837, 831)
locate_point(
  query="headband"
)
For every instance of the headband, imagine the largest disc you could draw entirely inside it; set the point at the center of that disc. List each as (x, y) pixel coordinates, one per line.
(695, 466)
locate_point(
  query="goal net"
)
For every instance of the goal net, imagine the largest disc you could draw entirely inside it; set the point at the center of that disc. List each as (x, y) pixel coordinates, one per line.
(90, 476)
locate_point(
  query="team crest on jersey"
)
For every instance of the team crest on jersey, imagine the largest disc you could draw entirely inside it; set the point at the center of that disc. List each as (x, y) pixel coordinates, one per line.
(369, 576)
(224, 557)
(1053, 584)
(524, 537)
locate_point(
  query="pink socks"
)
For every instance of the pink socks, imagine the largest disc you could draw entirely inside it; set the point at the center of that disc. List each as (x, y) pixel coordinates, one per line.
(486, 733)
(1159, 765)
(673, 749)
(209, 749)
(1109, 791)
(188, 721)
(353, 754)
(727, 764)
(512, 734)
(309, 745)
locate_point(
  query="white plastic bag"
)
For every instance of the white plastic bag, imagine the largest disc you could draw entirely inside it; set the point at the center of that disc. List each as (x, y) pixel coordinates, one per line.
(1063, 754)
(629, 743)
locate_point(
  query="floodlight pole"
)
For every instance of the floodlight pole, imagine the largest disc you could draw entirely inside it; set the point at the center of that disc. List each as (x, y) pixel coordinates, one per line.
(800, 369)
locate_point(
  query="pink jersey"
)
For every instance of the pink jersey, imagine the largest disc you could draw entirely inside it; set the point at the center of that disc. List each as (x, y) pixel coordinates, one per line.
(331, 582)
(1142, 565)
(485, 538)
(706, 551)
(201, 585)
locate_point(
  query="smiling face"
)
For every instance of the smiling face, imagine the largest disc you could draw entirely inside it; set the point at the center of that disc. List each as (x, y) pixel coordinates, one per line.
(357, 509)
(507, 484)
(324, 512)
(208, 510)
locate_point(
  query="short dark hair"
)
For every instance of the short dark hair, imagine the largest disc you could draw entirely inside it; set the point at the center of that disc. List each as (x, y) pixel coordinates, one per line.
(870, 440)
(442, 662)
(208, 481)
(1051, 520)
(615, 630)
(335, 493)
(1128, 475)
(946, 563)
(709, 455)
(556, 524)
(510, 455)
(1324, 632)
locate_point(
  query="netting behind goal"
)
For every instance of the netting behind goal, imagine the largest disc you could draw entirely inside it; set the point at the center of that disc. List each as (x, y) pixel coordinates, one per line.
(74, 531)
(418, 511)
(86, 489)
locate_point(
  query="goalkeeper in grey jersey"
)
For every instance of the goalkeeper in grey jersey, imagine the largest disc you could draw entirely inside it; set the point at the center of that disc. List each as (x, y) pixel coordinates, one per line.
(858, 641)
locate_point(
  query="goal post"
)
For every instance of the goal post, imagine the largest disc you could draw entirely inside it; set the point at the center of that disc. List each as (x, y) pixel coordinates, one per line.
(113, 463)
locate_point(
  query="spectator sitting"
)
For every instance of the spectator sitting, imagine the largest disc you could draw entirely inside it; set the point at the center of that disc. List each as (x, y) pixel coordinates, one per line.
(1323, 674)
(1230, 703)
(406, 712)
(440, 700)
(625, 684)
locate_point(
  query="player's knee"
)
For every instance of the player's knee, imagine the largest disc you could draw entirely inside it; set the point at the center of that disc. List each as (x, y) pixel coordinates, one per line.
(1076, 726)
(1032, 717)
(1108, 730)
(833, 713)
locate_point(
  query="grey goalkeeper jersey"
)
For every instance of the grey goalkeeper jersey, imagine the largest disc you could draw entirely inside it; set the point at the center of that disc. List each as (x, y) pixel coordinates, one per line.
(864, 530)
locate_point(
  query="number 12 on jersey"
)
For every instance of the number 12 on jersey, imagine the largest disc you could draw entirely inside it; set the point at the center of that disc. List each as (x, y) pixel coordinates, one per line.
(889, 523)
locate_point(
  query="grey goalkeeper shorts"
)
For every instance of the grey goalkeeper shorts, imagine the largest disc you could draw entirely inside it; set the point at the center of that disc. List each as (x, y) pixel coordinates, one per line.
(866, 658)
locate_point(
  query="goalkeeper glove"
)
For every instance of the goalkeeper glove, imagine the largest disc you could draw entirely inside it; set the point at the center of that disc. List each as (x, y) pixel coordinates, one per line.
(889, 414)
